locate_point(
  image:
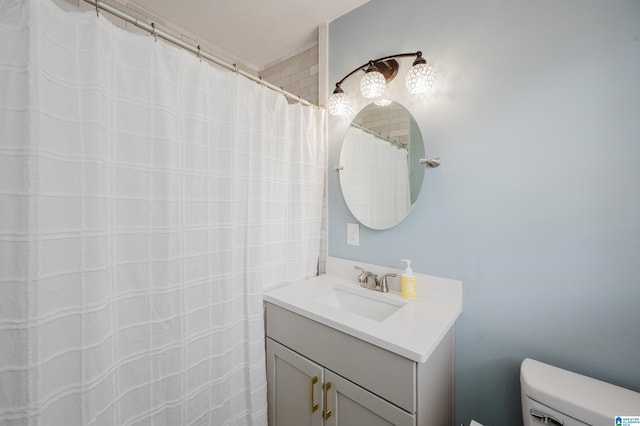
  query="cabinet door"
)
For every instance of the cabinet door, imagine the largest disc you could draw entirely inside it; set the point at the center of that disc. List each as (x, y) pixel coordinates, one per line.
(351, 405)
(294, 388)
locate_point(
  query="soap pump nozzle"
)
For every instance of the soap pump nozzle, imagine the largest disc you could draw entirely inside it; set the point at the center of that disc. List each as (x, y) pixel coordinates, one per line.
(408, 269)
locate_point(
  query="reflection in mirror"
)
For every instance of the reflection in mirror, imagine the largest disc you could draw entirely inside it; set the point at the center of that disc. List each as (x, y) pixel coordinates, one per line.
(381, 177)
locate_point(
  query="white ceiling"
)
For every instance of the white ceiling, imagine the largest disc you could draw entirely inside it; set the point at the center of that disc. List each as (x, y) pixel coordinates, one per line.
(257, 33)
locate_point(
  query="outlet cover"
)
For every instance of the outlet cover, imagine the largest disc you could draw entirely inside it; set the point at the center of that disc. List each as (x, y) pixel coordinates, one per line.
(353, 234)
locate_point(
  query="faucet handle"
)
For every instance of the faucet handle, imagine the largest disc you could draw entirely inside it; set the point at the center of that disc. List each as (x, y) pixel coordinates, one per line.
(384, 286)
(362, 277)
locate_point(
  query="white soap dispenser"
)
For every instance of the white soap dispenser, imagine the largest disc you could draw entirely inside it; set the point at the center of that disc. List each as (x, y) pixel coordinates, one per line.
(408, 281)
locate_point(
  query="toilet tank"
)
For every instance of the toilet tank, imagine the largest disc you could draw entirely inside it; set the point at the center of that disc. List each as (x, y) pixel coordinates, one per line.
(553, 396)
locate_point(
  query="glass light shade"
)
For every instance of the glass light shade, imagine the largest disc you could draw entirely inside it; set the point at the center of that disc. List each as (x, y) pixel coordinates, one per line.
(383, 102)
(372, 84)
(420, 79)
(339, 104)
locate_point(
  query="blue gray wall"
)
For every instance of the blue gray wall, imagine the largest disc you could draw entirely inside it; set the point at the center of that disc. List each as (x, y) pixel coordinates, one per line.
(536, 206)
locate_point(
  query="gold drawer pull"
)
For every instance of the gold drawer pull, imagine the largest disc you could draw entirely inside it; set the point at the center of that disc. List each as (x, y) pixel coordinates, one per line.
(327, 413)
(314, 405)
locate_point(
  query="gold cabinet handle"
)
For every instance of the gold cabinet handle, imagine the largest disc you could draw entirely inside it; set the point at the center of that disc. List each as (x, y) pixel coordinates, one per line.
(327, 413)
(314, 405)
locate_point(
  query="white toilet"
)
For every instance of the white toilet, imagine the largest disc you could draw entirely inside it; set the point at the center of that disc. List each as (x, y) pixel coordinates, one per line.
(554, 396)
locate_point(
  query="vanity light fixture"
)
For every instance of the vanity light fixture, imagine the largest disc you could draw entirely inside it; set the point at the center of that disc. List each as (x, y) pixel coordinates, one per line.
(420, 77)
(373, 82)
(379, 72)
(339, 102)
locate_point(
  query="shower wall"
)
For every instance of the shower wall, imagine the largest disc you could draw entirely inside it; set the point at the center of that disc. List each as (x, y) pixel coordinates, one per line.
(297, 75)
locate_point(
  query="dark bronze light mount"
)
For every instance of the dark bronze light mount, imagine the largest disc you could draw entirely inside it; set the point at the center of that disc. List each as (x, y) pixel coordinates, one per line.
(379, 72)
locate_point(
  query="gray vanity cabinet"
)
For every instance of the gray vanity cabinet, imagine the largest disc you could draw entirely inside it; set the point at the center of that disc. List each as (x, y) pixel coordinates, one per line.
(294, 386)
(354, 405)
(297, 388)
(320, 376)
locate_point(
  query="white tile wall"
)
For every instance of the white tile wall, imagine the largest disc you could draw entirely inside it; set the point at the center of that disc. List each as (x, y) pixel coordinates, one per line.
(391, 121)
(298, 74)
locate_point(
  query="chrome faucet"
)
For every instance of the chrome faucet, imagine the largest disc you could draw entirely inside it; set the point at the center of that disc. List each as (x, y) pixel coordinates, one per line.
(370, 280)
(384, 286)
(363, 274)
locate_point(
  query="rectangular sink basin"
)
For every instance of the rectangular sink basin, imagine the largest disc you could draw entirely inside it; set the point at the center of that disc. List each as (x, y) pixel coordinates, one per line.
(359, 304)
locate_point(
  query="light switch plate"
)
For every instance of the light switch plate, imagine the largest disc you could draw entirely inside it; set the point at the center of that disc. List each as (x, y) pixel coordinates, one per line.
(353, 234)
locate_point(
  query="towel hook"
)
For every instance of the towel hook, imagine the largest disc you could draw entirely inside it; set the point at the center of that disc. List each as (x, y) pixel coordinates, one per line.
(431, 161)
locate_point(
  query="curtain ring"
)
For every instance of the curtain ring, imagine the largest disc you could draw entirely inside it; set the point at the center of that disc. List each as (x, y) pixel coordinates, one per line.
(153, 31)
(199, 53)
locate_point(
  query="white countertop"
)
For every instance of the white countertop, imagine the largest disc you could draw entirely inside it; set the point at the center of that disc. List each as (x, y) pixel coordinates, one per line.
(413, 331)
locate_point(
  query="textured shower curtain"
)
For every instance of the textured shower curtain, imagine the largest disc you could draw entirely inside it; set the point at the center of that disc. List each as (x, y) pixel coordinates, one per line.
(380, 196)
(146, 202)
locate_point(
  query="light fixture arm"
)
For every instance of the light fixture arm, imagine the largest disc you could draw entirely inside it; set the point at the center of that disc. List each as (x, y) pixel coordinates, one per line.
(364, 67)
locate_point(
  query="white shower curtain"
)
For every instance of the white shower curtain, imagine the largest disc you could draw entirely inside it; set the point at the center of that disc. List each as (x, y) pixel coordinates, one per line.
(374, 179)
(146, 202)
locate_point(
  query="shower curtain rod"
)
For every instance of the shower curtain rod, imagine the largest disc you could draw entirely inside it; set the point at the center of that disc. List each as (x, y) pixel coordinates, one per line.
(151, 28)
(379, 136)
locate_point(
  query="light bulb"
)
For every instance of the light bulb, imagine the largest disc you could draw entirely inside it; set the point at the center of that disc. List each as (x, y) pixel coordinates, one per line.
(420, 79)
(373, 83)
(339, 104)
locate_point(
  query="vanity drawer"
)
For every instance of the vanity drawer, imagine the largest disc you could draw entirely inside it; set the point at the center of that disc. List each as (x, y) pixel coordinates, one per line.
(388, 375)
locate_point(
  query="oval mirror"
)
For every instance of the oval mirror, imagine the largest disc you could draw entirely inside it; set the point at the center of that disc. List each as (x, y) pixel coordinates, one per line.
(381, 177)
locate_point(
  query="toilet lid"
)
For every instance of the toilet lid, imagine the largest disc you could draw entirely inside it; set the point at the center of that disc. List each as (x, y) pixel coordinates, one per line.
(583, 398)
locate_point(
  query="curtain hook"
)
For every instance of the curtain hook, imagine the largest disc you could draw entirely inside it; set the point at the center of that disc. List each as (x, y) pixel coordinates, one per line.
(199, 53)
(235, 68)
(97, 8)
(153, 31)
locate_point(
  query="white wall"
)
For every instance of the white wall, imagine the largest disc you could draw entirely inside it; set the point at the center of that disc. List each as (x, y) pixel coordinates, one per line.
(536, 206)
